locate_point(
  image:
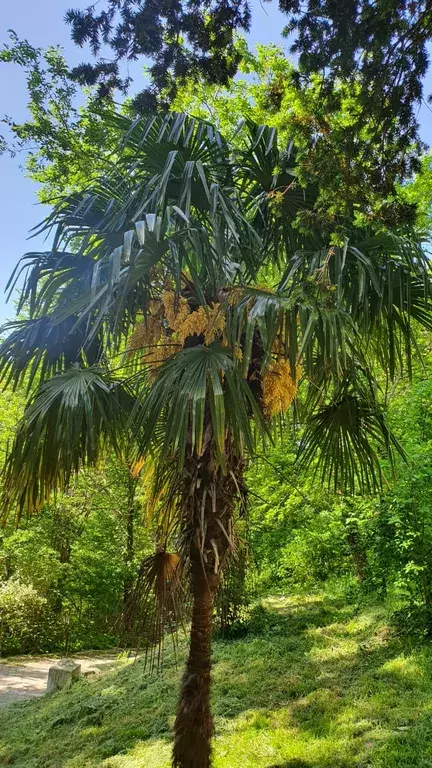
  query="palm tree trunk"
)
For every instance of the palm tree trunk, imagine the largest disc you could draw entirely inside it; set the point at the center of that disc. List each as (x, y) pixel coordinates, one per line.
(210, 497)
(194, 723)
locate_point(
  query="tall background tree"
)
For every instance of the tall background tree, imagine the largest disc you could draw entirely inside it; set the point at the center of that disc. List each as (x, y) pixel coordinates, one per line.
(377, 48)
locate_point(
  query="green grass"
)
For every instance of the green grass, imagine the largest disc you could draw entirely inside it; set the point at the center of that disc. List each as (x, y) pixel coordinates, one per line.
(316, 686)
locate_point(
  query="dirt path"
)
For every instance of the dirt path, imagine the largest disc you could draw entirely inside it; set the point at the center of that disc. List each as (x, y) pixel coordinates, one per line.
(25, 677)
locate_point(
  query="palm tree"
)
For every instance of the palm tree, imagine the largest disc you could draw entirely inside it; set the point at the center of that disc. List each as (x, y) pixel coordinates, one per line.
(179, 309)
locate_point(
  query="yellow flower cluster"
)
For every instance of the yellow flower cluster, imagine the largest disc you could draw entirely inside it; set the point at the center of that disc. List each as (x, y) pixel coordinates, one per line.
(176, 310)
(208, 322)
(149, 331)
(149, 335)
(234, 296)
(158, 354)
(237, 352)
(216, 322)
(159, 343)
(279, 389)
(146, 334)
(138, 338)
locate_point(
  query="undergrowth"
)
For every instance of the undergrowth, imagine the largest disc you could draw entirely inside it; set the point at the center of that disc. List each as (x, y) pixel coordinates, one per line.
(313, 684)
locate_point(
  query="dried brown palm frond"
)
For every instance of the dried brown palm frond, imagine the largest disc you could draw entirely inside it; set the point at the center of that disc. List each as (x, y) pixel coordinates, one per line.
(158, 606)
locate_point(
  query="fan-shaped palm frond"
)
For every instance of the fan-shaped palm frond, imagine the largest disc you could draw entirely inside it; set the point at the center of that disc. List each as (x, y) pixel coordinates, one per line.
(366, 292)
(66, 426)
(174, 157)
(347, 439)
(40, 348)
(195, 385)
(37, 294)
(267, 176)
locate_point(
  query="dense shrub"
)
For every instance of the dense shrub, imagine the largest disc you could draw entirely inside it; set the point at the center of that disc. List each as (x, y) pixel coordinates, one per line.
(25, 624)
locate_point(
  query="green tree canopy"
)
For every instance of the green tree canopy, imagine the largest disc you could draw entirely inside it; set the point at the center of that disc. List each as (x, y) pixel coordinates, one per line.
(67, 144)
(377, 48)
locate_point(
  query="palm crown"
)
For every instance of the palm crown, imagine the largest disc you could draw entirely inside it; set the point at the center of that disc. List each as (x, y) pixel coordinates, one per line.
(180, 307)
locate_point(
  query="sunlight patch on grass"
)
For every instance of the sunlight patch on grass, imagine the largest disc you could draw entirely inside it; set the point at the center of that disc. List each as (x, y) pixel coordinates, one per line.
(112, 690)
(144, 755)
(279, 747)
(405, 666)
(334, 650)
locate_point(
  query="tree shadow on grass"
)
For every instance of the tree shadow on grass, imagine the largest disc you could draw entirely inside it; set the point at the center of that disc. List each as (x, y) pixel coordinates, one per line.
(339, 686)
(319, 685)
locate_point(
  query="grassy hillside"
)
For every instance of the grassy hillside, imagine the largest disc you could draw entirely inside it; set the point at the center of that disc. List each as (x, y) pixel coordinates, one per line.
(313, 686)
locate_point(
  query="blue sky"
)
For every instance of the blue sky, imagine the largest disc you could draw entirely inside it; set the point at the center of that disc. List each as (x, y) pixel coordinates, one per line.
(41, 22)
